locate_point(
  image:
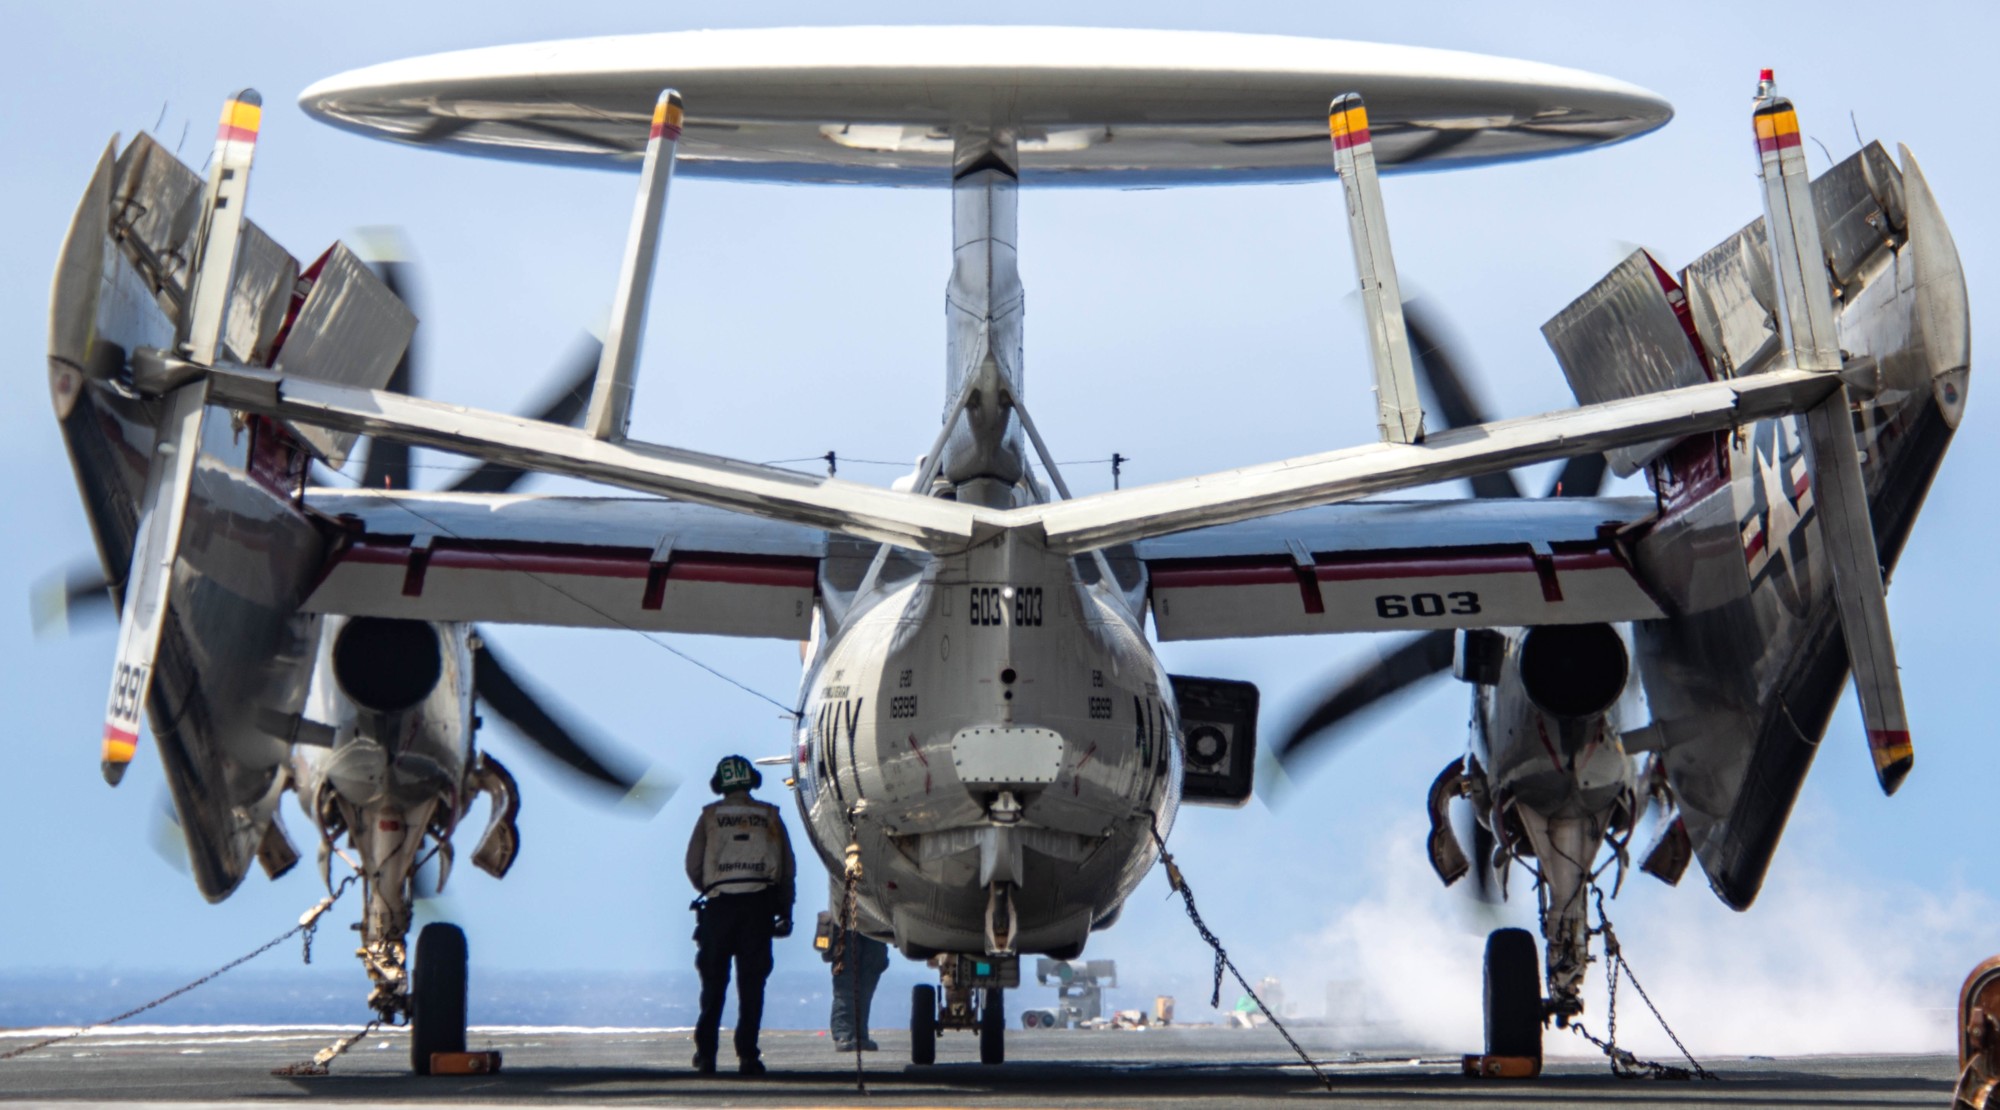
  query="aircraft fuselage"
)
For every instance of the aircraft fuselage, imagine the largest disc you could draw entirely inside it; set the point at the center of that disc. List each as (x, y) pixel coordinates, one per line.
(992, 733)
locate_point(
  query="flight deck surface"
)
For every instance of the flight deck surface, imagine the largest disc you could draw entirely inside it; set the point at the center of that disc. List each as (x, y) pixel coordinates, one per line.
(1181, 1067)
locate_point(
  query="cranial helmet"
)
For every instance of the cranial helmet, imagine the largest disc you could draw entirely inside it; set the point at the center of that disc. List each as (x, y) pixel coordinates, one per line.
(734, 773)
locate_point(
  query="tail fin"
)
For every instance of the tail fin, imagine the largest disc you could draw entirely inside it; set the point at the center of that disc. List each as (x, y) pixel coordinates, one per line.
(170, 472)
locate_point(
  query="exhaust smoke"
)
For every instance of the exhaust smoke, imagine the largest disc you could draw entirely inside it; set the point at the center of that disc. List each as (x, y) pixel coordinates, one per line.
(1828, 961)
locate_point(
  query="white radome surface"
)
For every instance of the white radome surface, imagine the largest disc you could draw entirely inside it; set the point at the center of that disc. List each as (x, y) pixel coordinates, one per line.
(878, 105)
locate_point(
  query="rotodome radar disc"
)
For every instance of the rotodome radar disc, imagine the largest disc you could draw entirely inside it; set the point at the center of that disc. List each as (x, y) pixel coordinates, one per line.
(1086, 106)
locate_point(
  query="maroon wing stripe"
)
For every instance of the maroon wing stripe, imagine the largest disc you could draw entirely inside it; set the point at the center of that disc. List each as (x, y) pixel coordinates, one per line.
(729, 568)
(1271, 571)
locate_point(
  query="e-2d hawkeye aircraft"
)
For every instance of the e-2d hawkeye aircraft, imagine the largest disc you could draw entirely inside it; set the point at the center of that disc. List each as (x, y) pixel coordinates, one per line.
(988, 744)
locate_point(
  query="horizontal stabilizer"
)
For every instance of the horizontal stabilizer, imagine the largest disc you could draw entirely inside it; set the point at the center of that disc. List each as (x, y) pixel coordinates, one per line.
(1081, 525)
(869, 512)
(1107, 519)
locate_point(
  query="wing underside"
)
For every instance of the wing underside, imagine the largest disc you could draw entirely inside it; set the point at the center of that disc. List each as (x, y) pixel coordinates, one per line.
(1399, 566)
(588, 562)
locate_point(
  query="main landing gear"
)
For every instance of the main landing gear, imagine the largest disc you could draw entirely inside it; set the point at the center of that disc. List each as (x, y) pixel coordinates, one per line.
(974, 999)
(1514, 1007)
(437, 995)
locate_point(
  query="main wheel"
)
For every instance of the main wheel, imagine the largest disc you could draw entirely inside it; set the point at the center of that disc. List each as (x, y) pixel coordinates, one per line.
(437, 995)
(923, 1024)
(993, 1027)
(1513, 995)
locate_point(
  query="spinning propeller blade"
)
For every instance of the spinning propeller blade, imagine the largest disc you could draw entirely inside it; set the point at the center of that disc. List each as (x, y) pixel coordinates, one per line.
(494, 682)
(1583, 476)
(563, 404)
(1439, 373)
(388, 462)
(61, 599)
(1420, 657)
(1415, 659)
(1482, 861)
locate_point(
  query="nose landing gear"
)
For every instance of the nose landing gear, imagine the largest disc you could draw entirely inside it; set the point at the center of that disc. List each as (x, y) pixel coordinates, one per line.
(974, 990)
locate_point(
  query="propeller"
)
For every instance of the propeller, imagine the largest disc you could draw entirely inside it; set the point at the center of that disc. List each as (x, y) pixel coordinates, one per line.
(79, 594)
(387, 465)
(1415, 659)
(166, 835)
(521, 706)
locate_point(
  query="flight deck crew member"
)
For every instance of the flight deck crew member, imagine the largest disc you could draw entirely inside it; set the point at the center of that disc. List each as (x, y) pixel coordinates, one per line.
(740, 860)
(859, 962)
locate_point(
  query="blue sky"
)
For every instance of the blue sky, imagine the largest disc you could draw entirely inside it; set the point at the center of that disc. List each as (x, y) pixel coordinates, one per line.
(1189, 330)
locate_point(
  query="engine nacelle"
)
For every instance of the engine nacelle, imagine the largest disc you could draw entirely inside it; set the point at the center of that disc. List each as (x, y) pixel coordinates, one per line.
(387, 665)
(1574, 670)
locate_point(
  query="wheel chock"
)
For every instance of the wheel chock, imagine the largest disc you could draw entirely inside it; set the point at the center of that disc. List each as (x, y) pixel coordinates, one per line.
(464, 1063)
(1502, 1067)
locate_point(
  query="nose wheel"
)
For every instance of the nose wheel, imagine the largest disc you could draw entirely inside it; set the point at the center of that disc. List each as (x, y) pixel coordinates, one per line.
(923, 1024)
(993, 1027)
(983, 1010)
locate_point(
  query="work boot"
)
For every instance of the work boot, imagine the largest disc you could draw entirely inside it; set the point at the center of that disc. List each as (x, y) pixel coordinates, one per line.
(750, 1065)
(704, 1063)
(843, 1046)
(869, 1046)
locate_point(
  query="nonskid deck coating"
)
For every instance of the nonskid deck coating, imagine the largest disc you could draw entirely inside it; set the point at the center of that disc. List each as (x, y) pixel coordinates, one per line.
(1181, 1067)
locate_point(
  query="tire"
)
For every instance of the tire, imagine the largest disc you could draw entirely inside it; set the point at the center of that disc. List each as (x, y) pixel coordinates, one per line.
(1513, 995)
(993, 1027)
(923, 1024)
(437, 995)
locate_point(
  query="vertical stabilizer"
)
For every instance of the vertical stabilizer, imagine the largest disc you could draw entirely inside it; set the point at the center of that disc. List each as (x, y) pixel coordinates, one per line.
(611, 398)
(984, 307)
(1398, 412)
(222, 226)
(1805, 309)
(177, 441)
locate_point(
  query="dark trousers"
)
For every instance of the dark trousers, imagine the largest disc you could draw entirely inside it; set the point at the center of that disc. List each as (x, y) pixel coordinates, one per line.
(732, 927)
(854, 988)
